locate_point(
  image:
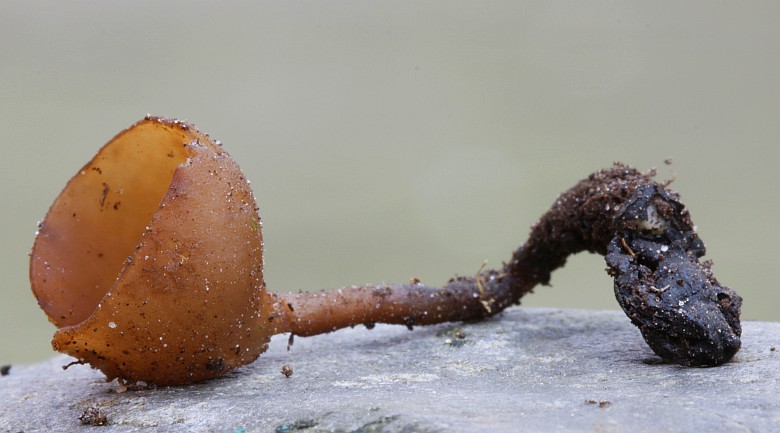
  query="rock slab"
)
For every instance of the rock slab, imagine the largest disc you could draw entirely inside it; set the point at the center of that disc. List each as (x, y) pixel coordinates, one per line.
(535, 370)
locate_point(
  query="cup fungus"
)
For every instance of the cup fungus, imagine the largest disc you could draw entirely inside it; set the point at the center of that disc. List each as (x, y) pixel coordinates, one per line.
(150, 264)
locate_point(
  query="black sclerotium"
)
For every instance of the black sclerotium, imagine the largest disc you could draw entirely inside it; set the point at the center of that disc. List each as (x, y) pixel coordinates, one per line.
(684, 314)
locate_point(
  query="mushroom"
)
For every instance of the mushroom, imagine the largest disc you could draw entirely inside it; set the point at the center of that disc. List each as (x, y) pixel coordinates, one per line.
(150, 264)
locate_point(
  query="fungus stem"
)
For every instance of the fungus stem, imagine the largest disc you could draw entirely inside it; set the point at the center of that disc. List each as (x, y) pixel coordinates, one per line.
(309, 314)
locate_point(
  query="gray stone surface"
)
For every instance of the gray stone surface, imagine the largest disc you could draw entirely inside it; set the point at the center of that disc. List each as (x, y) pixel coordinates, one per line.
(535, 370)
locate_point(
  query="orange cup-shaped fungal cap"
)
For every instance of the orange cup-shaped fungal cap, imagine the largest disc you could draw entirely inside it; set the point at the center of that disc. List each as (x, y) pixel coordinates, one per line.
(150, 260)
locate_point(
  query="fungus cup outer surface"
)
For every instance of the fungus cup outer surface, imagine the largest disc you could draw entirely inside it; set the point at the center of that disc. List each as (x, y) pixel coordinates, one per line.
(150, 261)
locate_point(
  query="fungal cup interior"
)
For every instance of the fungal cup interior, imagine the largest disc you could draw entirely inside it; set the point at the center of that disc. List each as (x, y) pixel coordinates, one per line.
(98, 220)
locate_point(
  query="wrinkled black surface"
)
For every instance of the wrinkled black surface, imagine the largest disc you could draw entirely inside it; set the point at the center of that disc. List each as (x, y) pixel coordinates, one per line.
(684, 314)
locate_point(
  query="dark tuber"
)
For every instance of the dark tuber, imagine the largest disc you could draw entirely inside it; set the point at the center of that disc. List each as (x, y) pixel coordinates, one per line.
(150, 264)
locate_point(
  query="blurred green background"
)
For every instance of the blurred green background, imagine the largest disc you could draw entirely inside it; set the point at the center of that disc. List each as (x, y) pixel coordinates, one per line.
(390, 140)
